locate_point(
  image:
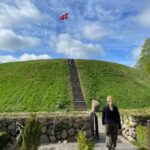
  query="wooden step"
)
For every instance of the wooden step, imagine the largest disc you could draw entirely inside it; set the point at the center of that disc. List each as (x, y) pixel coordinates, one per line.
(78, 97)
(81, 108)
(79, 103)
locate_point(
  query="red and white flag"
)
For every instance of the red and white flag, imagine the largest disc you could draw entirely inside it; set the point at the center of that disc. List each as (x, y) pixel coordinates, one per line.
(64, 17)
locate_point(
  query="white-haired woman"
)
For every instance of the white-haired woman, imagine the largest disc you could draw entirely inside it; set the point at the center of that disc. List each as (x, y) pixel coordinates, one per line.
(111, 120)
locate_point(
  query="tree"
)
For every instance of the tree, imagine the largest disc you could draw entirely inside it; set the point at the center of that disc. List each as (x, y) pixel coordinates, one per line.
(144, 60)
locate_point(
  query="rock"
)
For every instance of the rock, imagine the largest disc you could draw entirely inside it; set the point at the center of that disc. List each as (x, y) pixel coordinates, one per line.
(76, 125)
(126, 127)
(49, 132)
(64, 134)
(132, 133)
(13, 133)
(129, 138)
(86, 119)
(86, 126)
(70, 123)
(81, 124)
(71, 132)
(127, 133)
(65, 121)
(126, 121)
(50, 127)
(44, 139)
(11, 127)
(43, 131)
(131, 130)
(72, 139)
(3, 124)
(58, 137)
(65, 141)
(52, 138)
(132, 124)
(130, 118)
(88, 133)
(124, 132)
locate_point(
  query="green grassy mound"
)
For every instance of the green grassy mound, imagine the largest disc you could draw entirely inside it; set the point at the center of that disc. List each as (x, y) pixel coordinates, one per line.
(44, 85)
(129, 86)
(34, 86)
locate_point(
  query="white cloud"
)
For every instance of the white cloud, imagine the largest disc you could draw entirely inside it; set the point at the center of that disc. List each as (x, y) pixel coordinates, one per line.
(7, 58)
(24, 57)
(94, 31)
(24, 11)
(73, 48)
(136, 52)
(10, 41)
(144, 18)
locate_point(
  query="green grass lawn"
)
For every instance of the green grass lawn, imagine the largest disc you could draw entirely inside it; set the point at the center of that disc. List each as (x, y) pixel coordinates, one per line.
(129, 86)
(34, 86)
(44, 85)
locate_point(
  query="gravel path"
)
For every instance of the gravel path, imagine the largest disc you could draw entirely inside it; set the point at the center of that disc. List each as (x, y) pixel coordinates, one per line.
(122, 143)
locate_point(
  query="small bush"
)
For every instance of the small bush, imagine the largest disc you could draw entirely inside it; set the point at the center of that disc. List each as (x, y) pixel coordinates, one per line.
(142, 136)
(4, 139)
(83, 143)
(61, 104)
(31, 135)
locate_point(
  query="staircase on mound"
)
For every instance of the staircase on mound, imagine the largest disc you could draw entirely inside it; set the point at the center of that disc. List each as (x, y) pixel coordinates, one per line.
(78, 97)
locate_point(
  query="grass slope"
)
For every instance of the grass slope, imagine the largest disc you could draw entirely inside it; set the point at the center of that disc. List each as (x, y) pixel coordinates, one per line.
(129, 86)
(44, 85)
(34, 86)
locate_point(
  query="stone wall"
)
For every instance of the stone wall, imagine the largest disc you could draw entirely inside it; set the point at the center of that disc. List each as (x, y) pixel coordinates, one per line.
(129, 124)
(56, 126)
(129, 127)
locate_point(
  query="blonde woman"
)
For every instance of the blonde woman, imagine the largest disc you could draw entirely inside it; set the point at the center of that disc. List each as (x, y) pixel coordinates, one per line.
(111, 120)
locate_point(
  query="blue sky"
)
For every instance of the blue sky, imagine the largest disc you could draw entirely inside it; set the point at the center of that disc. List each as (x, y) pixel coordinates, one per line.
(110, 30)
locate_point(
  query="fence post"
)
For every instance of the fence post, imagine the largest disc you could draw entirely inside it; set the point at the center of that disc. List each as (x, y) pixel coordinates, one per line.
(148, 123)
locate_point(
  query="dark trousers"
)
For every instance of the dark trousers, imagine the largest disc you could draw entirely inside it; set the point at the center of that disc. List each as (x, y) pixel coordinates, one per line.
(111, 131)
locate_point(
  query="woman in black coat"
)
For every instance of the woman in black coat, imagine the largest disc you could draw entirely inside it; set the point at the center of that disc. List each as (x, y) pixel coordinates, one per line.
(111, 120)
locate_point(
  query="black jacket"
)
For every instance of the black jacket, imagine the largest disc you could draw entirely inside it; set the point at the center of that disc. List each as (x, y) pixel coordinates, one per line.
(110, 117)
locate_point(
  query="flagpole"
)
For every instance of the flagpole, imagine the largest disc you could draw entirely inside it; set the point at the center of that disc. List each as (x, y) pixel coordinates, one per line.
(63, 18)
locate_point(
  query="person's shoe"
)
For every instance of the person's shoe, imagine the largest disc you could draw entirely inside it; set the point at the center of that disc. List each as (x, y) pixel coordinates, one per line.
(113, 148)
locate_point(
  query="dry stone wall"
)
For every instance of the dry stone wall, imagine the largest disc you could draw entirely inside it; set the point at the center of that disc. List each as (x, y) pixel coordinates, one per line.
(56, 127)
(129, 124)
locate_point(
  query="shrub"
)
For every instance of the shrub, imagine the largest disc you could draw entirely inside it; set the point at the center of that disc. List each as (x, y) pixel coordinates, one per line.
(31, 135)
(83, 142)
(61, 104)
(142, 136)
(4, 139)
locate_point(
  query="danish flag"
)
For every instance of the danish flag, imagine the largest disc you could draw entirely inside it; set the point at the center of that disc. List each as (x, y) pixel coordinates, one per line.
(64, 17)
